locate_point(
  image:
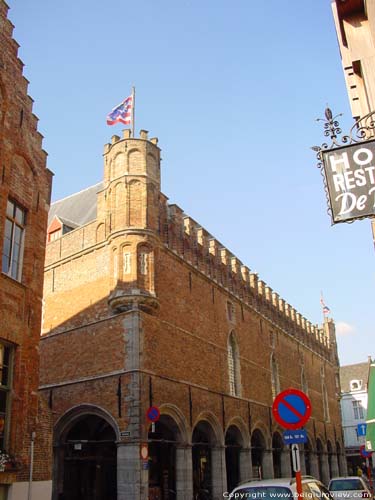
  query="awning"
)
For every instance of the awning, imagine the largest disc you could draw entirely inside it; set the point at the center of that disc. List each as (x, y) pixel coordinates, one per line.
(370, 431)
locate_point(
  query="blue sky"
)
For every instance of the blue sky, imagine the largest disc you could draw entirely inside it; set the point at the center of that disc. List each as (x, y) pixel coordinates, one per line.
(232, 90)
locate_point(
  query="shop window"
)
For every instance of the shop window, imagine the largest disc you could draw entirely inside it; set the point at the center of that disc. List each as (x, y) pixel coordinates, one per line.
(13, 240)
(5, 382)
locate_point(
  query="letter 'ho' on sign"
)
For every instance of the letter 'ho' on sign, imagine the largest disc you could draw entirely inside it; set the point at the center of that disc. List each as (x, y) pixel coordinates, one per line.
(350, 175)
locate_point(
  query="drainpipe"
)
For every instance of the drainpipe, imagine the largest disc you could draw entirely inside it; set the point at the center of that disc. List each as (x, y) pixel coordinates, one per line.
(29, 493)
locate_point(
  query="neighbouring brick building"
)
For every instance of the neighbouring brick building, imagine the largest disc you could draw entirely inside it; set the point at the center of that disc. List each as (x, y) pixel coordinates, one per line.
(143, 307)
(355, 28)
(25, 185)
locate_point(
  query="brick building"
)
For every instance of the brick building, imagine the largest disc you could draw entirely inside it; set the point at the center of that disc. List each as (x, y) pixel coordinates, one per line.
(355, 28)
(25, 184)
(143, 307)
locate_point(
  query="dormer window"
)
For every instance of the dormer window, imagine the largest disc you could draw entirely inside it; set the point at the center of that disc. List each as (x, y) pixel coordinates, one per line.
(355, 385)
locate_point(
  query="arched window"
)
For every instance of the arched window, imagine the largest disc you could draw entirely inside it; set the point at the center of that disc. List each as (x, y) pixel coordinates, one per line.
(324, 395)
(304, 381)
(233, 366)
(275, 382)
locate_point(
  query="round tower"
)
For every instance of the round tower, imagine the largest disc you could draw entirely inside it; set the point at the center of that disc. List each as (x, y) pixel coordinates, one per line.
(129, 205)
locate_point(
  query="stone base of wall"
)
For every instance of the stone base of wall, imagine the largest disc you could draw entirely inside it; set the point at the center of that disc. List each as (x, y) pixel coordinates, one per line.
(41, 490)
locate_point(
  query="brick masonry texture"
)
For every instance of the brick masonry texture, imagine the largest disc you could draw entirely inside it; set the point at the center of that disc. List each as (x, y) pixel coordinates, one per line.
(180, 297)
(25, 179)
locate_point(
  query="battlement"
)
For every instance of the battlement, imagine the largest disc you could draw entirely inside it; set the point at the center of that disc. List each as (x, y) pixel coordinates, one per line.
(194, 244)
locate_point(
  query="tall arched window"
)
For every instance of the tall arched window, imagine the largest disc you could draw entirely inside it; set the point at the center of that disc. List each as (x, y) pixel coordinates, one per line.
(324, 395)
(233, 366)
(275, 382)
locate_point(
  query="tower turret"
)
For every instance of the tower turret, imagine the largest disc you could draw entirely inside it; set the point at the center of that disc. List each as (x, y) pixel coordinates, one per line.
(129, 205)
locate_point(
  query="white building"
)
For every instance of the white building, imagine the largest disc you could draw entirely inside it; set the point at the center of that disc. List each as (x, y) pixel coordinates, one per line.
(353, 379)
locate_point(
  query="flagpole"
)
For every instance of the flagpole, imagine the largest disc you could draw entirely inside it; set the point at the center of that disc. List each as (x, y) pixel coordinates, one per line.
(133, 111)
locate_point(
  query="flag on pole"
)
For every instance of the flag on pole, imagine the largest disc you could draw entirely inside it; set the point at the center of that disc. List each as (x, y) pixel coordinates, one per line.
(122, 112)
(326, 309)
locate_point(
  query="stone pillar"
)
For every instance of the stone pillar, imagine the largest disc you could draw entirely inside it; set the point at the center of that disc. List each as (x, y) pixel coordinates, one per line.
(325, 469)
(286, 469)
(343, 465)
(314, 465)
(132, 482)
(184, 473)
(246, 470)
(267, 465)
(335, 466)
(219, 473)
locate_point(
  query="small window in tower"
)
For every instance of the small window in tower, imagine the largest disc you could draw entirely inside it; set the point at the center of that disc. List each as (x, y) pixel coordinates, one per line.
(143, 257)
(127, 262)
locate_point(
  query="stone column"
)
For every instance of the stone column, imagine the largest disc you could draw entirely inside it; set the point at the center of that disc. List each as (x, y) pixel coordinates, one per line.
(132, 482)
(246, 470)
(219, 473)
(314, 465)
(267, 465)
(184, 472)
(286, 469)
(335, 466)
(325, 469)
(343, 465)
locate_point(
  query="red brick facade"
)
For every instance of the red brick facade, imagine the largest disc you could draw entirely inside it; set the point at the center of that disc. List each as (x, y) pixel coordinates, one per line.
(144, 307)
(25, 185)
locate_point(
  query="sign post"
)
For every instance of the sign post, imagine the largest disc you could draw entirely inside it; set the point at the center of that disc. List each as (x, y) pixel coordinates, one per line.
(292, 409)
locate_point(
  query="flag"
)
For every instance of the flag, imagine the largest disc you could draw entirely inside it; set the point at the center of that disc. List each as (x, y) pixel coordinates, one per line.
(122, 112)
(326, 309)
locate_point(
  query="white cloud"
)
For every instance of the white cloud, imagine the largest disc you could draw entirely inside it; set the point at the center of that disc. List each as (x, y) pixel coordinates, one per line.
(344, 329)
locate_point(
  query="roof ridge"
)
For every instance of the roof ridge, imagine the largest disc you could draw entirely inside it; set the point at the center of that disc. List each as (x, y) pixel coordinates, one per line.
(74, 194)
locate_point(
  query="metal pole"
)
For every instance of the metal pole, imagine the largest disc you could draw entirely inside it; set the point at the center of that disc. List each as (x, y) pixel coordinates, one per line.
(133, 111)
(29, 493)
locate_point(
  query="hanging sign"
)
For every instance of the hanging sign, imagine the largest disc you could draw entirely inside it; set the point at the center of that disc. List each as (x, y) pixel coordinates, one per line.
(350, 176)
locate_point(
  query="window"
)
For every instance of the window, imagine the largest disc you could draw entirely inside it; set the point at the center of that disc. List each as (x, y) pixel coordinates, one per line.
(358, 410)
(231, 312)
(355, 385)
(55, 235)
(275, 382)
(233, 367)
(5, 381)
(13, 240)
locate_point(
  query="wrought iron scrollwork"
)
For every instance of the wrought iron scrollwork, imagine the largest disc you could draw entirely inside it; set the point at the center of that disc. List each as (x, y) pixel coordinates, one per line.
(362, 130)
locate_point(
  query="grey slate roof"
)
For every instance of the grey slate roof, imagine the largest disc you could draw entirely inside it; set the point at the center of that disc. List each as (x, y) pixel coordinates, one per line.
(79, 208)
(358, 371)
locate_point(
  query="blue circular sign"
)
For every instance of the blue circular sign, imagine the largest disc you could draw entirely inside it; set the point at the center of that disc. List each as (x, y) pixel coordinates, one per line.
(153, 414)
(291, 409)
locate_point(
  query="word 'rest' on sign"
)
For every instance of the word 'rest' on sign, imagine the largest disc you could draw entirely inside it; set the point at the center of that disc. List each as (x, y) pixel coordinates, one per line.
(350, 176)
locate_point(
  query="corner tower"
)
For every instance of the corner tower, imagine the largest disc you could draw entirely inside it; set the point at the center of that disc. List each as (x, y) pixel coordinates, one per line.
(128, 205)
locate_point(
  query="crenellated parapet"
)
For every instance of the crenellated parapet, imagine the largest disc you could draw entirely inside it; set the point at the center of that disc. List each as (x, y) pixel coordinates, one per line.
(195, 245)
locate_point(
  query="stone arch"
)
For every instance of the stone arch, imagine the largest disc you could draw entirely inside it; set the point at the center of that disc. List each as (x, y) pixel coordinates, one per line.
(212, 420)
(118, 165)
(176, 414)
(135, 161)
(70, 416)
(100, 232)
(85, 453)
(209, 478)
(167, 440)
(258, 452)
(238, 422)
(307, 455)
